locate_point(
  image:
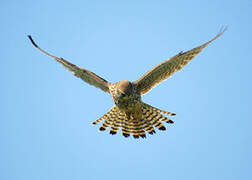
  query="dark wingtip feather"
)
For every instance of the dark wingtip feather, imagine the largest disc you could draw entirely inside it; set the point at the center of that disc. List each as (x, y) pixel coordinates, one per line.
(34, 44)
(173, 114)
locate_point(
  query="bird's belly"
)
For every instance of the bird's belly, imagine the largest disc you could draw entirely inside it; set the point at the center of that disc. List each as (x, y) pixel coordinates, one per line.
(131, 106)
(127, 104)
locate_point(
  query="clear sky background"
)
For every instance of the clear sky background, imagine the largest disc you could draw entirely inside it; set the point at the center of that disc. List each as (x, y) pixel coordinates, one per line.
(46, 112)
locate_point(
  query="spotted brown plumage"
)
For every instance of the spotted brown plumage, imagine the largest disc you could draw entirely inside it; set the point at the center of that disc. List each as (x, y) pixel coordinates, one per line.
(130, 114)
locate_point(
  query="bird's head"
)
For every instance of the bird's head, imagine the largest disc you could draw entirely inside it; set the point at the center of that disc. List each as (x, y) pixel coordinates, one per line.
(125, 88)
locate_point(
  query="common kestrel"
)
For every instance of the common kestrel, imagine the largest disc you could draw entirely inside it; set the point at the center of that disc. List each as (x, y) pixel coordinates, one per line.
(130, 113)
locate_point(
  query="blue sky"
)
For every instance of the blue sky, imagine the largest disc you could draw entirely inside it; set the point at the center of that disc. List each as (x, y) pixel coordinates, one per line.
(46, 112)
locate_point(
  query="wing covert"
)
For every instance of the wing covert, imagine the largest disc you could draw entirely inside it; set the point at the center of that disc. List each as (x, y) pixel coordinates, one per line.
(87, 76)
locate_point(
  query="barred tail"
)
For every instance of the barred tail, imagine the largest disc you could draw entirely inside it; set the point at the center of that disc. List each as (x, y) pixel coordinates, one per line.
(117, 119)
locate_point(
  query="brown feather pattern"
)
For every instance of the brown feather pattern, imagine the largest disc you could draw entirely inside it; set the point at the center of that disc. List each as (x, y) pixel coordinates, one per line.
(87, 76)
(166, 69)
(151, 117)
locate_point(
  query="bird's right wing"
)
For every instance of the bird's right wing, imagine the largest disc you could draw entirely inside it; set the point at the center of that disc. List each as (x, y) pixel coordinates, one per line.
(166, 69)
(87, 76)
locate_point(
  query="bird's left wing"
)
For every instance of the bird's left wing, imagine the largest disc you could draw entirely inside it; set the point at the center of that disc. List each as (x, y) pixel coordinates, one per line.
(166, 69)
(87, 76)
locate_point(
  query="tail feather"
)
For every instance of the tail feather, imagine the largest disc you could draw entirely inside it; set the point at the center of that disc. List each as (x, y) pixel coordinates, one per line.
(106, 124)
(167, 120)
(160, 111)
(151, 117)
(157, 122)
(154, 117)
(142, 129)
(149, 128)
(117, 122)
(136, 128)
(105, 116)
(125, 129)
(108, 119)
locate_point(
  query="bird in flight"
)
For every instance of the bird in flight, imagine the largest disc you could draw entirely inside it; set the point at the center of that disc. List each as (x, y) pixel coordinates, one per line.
(130, 113)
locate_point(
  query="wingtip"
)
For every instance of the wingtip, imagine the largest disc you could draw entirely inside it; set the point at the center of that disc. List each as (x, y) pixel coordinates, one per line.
(32, 41)
(222, 30)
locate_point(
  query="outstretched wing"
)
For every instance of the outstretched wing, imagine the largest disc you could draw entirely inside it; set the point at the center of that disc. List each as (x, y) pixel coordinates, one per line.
(87, 76)
(166, 69)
